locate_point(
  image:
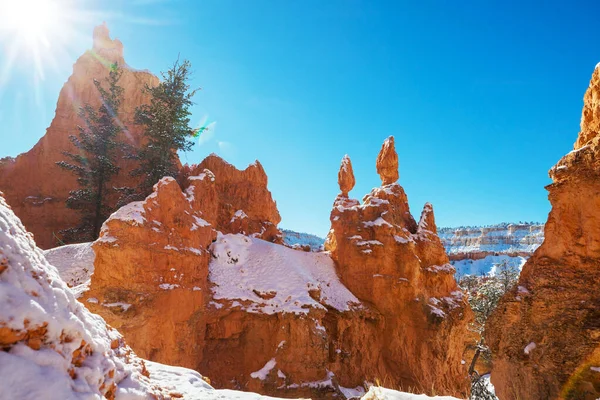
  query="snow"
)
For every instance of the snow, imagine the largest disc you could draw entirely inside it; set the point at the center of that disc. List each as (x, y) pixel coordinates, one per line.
(349, 393)
(264, 371)
(132, 213)
(181, 383)
(378, 222)
(379, 393)
(168, 286)
(31, 289)
(239, 214)
(529, 348)
(75, 265)
(486, 265)
(595, 369)
(400, 239)
(243, 267)
(124, 306)
(447, 268)
(369, 243)
(199, 222)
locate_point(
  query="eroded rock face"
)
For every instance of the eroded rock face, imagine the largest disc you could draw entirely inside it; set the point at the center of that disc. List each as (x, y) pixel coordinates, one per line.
(34, 186)
(151, 274)
(545, 336)
(400, 267)
(239, 201)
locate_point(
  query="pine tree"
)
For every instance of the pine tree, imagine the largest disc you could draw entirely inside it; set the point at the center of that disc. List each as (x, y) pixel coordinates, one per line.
(94, 163)
(166, 125)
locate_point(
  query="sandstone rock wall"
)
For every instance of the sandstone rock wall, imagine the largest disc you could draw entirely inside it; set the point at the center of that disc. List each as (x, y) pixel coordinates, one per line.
(545, 336)
(34, 186)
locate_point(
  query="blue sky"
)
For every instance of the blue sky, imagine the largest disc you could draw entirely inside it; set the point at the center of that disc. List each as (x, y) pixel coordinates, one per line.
(482, 97)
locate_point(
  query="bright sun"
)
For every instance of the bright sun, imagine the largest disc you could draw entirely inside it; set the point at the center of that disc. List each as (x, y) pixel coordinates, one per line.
(32, 20)
(35, 35)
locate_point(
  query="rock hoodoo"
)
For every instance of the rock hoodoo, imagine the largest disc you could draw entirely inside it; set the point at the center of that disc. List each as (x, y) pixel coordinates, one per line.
(346, 176)
(545, 336)
(400, 267)
(34, 186)
(387, 162)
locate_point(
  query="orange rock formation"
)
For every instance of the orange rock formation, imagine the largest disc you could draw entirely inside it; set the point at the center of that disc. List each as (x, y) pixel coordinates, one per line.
(258, 316)
(151, 276)
(34, 186)
(235, 201)
(545, 336)
(400, 267)
(346, 176)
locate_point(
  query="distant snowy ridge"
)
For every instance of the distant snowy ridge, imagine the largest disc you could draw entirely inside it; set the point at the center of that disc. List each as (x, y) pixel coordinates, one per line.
(496, 239)
(297, 239)
(476, 250)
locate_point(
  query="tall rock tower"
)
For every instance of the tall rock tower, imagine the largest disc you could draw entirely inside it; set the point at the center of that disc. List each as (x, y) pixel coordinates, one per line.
(34, 186)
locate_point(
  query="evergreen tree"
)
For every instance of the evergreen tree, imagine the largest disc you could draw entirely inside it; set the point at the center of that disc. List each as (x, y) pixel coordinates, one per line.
(94, 163)
(166, 125)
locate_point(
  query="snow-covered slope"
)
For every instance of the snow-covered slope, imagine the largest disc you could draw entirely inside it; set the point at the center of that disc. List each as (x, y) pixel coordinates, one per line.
(297, 239)
(274, 278)
(476, 250)
(75, 265)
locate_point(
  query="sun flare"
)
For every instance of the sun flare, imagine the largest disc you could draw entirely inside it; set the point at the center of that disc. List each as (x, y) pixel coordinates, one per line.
(32, 20)
(35, 35)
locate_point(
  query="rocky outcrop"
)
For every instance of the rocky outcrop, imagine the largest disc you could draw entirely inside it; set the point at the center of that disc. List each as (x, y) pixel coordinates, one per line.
(151, 272)
(235, 201)
(259, 316)
(400, 267)
(235, 308)
(545, 336)
(34, 186)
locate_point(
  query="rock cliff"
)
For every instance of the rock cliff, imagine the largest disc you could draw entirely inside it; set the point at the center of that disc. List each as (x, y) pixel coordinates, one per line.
(545, 336)
(34, 186)
(400, 267)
